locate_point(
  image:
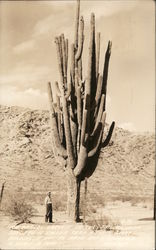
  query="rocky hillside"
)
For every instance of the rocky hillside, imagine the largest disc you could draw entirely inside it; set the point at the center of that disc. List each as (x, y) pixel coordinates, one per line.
(126, 166)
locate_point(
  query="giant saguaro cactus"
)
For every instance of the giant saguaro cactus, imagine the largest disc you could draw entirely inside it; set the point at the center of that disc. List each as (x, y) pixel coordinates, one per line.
(78, 109)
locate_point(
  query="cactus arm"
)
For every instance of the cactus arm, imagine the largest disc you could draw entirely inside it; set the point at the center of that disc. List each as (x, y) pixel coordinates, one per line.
(90, 57)
(59, 119)
(81, 40)
(97, 136)
(59, 57)
(95, 105)
(93, 64)
(58, 41)
(68, 93)
(62, 161)
(60, 149)
(87, 100)
(74, 132)
(77, 23)
(80, 69)
(57, 89)
(79, 107)
(66, 53)
(98, 90)
(82, 156)
(97, 54)
(108, 138)
(84, 125)
(73, 108)
(69, 144)
(70, 128)
(64, 58)
(78, 93)
(72, 70)
(105, 70)
(100, 113)
(68, 135)
(82, 159)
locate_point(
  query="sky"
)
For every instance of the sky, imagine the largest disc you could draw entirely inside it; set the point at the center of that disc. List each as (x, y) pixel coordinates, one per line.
(28, 54)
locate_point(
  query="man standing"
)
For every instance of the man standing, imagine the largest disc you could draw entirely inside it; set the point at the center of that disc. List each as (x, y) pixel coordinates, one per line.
(48, 203)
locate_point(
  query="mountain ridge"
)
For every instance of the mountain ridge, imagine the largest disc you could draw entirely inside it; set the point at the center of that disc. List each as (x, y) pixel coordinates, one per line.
(125, 167)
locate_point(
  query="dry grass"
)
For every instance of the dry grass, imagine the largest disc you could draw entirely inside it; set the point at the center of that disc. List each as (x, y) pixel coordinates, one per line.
(18, 207)
(102, 222)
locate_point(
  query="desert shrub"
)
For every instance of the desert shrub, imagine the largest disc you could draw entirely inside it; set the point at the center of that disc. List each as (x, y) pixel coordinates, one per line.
(102, 222)
(19, 208)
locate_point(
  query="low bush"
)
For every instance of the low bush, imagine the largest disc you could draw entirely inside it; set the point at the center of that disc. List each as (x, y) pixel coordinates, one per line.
(19, 208)
(102, 222)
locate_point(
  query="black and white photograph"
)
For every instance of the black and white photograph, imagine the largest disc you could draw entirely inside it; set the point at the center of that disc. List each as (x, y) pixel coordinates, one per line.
(77, 125)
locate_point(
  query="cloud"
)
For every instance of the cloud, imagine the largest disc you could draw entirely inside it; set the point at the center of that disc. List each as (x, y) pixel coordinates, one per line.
(26, 75)
(43, 26)
(63, 13)
(105, 8)
(24, 47)
(53, 24)
(127, 126)
(31, 98)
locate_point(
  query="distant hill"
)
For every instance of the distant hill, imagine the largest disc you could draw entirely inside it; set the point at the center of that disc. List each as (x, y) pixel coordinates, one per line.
(126, 166)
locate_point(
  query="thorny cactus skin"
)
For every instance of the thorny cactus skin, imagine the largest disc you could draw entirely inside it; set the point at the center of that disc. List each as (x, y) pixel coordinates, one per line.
(77, 110)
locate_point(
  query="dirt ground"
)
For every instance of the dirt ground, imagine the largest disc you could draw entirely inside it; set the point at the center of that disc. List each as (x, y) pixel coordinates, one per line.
(134, 231)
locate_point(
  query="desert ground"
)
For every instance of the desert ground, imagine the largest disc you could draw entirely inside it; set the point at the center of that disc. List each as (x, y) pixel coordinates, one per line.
(119, 206)
(134, 230)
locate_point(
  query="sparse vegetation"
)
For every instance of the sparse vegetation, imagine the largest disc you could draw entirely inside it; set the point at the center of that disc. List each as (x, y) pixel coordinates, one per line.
(102, 222)
(19, 208)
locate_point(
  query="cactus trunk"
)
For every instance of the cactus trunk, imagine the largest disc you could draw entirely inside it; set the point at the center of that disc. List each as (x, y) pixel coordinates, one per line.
(73, 199)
